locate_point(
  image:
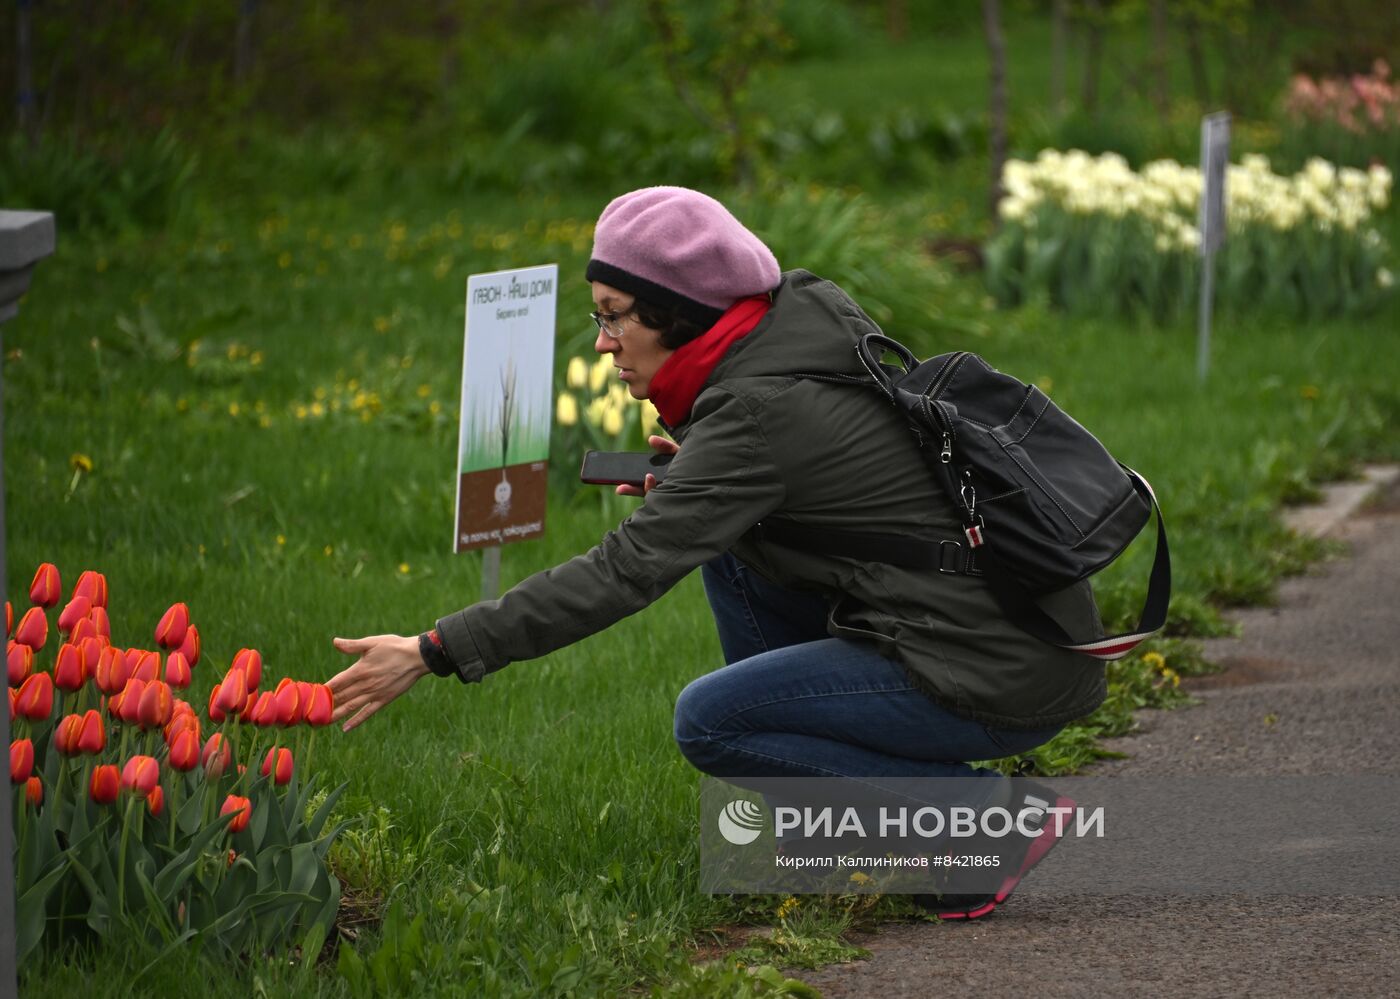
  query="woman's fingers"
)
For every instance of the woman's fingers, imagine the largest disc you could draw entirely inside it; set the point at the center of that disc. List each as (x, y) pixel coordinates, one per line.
(663, 445)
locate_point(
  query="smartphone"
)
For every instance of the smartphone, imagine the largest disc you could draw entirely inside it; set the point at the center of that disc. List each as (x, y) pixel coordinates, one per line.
(623, 468)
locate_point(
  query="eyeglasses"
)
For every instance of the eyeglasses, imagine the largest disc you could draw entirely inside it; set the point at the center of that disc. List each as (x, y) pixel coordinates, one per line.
(611, 322)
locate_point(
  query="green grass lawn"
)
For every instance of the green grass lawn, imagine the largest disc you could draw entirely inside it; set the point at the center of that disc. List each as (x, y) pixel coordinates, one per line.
(268, 398)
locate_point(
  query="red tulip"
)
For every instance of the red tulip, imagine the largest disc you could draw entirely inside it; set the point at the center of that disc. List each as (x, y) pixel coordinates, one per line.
(184, 749)
(216, 713)
(170, 633)
(147, 667)
(130, 707)
(100, 621)
(155, 800)
(21, 760)
(105, 784)
(33, 629)
(68, 672)
(82, 631)
(216, 756)
(279, 764)
(131, 657)
(189, 648)
(91, 649)
(35, 700)
(157, 705)
(111, 673)
(246, 715)
(46, 590)
(65, 736)
(141, 773)
(19, 663)
(177, 671)
(250, 662)
(233, 692)
(34, 791)
(243, 809)
(182, 723)
(288, 697)
(77, 610)
(265, 713)
(322, 703)
(92, 585)
(92, 737)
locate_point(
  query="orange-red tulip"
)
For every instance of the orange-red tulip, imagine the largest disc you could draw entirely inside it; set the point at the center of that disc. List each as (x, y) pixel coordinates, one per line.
(217, 755)
(34, 791)
(46, 590)
(65, 736)
(216, 713)
(141, 773)
(289, 707)
(68, 672)
(77, 610)
(19, 663)
(170, 633)
(233, 692)
(278, 763)
(131, 657)
(9, 619)
(33, 629)
(243, 809)
(182, 723)
(265, 711)
(111, 673)
(157, 705)
(184, 749)
(155, 800)
(91, 649)
(21, 760)
(251, 663)
(322, 703)
(147, 667)
(177, 671)
(190, 648)
(92, 737)
(82, 631)
(246, 715)
(35, 700)
(106, 784)
(13, 694)
(92, 585)
(100, 621)
(130, 708)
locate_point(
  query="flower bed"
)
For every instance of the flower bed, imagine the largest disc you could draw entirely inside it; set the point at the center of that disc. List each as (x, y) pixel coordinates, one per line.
(136, 819)
(1091, 235)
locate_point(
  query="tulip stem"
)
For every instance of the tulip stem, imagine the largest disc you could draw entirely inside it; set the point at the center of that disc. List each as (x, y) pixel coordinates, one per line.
(121, 860)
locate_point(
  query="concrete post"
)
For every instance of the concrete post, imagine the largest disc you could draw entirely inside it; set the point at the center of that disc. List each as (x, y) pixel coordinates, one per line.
(25, 238)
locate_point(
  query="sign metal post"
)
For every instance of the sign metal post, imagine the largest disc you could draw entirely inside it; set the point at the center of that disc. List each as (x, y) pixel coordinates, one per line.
(1215, 156)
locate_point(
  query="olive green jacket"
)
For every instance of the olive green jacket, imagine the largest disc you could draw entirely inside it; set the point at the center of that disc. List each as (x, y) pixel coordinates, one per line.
(759, 444)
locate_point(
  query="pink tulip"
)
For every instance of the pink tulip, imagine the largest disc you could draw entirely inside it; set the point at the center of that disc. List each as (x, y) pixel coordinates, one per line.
(46, 590)
(77, 610)
(93, 586)
(33, 629)
(19, 663)
(140, 774)
(189, 648)
(177, 671)
(35, 700)
(251, 663)
(68, 672)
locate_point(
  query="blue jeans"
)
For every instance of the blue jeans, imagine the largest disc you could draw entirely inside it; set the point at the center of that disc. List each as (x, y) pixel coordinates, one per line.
(793, 702)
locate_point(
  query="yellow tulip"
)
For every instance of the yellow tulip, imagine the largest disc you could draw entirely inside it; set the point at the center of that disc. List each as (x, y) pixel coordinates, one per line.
(612, 421)
(566, 410)
(602, 370)
(578, 373)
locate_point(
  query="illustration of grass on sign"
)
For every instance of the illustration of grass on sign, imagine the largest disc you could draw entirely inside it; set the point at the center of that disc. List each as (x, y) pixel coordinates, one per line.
(505, 428)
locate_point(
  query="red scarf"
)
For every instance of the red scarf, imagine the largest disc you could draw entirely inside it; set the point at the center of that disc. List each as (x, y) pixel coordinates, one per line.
(679, 380)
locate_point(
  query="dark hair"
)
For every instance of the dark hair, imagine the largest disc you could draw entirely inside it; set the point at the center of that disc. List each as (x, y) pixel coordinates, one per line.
(676, 330)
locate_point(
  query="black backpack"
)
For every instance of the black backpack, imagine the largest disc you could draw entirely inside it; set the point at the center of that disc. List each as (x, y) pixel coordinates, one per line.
(1043, 503)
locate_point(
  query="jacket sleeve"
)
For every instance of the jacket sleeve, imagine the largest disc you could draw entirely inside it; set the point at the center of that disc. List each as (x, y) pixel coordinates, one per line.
(723, 481)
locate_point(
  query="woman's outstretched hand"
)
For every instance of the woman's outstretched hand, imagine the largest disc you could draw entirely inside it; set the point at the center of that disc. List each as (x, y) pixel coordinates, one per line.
(661, 445)
(388, 666)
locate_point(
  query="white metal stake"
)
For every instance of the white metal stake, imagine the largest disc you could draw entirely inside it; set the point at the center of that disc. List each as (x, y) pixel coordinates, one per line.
(491, 572)
(1203, 319)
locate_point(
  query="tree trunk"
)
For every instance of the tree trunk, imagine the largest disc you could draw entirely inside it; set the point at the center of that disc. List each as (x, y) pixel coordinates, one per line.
(1200, 82)
(1058, 14)
(897, 20)
(27, 107)
(1161, 43)
(996, 108)
(1093, 57)
(243, 42)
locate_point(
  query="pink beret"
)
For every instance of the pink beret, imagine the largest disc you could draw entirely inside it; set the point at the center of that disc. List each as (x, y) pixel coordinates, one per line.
(678, 247)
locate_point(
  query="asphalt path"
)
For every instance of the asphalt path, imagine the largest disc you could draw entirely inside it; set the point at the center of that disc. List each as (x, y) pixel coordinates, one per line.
(1311, 687)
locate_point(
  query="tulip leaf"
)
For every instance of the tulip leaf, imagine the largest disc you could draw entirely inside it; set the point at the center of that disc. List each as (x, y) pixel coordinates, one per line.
(30, 918)
(156, 907)
(257, 827)
(324, 843)
(322, 813)
(191, 814)
(305, 866)
(173, 876)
